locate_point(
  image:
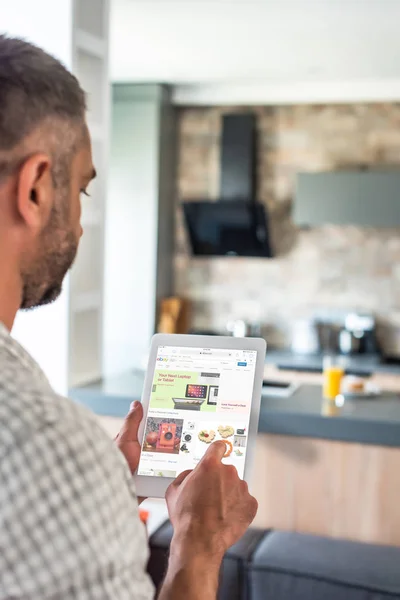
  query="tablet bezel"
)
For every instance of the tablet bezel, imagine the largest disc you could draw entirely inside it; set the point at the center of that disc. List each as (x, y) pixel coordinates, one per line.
(155, 487)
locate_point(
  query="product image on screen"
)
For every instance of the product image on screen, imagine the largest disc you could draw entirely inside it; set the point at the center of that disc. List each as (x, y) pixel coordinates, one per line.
(199, 395)
(196, 391)
(212, 394)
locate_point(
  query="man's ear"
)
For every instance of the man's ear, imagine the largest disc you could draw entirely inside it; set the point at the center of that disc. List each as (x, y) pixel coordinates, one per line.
(35, 191)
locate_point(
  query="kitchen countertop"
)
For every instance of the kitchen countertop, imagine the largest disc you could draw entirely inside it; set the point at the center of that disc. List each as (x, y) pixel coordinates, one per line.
(359, 363)
(370, 421)
(373, 421)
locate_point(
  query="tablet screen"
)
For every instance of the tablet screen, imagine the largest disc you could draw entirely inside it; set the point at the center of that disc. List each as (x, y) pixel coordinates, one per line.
(199, 395)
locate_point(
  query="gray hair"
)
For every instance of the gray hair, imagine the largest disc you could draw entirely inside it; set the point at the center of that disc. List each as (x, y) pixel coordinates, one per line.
(37, 91)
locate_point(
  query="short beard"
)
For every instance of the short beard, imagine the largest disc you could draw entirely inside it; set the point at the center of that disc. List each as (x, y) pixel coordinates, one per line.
(43, 273)
(43, 278)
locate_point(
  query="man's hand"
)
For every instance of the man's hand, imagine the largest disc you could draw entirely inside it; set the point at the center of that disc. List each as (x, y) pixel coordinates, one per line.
(127, 439)
(210, 509)
(211, 503)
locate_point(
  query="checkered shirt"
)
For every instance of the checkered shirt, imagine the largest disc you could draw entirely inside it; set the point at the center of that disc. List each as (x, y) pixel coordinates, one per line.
(69, 524)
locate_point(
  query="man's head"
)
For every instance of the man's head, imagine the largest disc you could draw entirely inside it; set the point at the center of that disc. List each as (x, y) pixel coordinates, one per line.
(45, 164)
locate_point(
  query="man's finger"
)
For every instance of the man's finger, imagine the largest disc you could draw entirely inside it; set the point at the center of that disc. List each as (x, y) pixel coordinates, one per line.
(216, 450)
(182, 476)
(129, 430)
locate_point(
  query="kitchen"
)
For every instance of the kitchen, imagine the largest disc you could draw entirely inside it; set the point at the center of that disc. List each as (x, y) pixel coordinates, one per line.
(327, 283)
(320, 267)
(332, 287)
(325, 232)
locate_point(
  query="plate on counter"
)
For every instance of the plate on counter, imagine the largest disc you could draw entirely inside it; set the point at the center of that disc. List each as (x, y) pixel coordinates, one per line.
(354, 388)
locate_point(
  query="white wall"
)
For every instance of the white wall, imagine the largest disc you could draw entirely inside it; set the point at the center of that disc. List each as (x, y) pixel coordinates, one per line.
(295, 92)
(44, 332)
(43, 22)
(260, 51)
(131, 231)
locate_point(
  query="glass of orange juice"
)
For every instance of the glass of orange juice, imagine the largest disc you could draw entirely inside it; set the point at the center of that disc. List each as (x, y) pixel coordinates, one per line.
(333, 375)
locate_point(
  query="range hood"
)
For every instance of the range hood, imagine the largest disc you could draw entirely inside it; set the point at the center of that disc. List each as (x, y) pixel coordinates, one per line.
(235, 224)
(361, 198)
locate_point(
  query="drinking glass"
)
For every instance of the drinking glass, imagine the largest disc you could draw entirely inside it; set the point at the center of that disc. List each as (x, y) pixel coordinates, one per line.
(333, 374)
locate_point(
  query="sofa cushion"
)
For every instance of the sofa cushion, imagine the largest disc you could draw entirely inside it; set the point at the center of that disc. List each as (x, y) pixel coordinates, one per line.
(293, 566)
(233, 576)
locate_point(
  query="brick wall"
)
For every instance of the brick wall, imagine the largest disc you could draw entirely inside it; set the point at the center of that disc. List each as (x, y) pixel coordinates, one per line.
(326, 268)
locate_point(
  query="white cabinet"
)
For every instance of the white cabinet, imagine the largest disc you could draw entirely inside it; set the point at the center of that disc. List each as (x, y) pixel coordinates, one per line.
(66, 337)
(140, 220)
(86, 292)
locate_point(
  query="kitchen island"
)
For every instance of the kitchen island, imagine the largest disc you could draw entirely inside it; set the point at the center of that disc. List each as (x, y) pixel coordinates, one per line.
(373, 421)
(318, 468)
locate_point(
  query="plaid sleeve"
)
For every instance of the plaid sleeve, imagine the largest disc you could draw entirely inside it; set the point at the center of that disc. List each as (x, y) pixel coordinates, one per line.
(69, 525)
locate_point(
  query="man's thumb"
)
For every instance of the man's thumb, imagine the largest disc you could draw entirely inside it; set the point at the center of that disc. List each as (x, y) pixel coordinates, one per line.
(132, 421)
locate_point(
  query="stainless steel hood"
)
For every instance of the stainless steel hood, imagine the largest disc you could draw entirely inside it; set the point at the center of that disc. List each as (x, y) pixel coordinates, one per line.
(363, 198)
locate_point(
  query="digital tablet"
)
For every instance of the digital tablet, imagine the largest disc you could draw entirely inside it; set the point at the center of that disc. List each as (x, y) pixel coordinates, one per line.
(198, 389)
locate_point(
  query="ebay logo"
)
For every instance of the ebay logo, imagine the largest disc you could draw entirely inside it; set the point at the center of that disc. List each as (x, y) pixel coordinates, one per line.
(161, 359)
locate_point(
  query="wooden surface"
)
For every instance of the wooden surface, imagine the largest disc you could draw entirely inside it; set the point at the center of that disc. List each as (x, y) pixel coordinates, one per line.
(322, 487)
(328, 488)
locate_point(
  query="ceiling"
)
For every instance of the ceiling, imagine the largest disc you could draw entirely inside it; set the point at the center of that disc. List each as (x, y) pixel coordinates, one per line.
(253, 42)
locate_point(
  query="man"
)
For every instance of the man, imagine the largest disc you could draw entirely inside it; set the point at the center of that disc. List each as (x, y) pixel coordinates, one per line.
(69, 525)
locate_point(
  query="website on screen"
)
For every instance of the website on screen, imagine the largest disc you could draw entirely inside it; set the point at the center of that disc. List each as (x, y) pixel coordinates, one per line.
(198, 396)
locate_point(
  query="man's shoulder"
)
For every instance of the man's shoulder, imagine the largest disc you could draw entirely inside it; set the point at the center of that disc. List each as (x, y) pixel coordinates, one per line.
(28, 404)
(68, 506)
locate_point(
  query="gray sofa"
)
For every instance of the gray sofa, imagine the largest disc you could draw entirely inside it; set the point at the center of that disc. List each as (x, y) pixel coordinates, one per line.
(279, 565)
